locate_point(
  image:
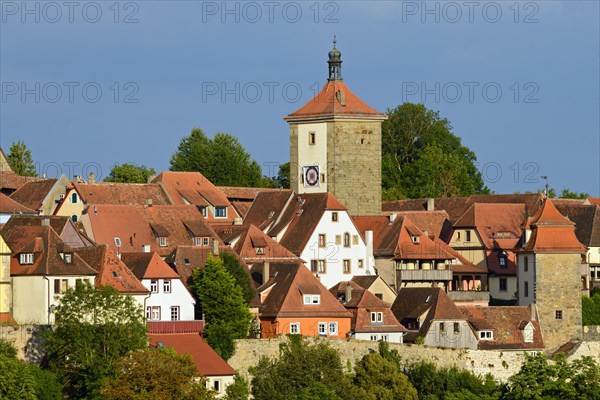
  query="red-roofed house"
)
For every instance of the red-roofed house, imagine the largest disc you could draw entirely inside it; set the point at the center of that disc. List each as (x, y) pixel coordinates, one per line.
(42, 195)
(208, 363)
(293, 301)
(550, 265)
(9, 207)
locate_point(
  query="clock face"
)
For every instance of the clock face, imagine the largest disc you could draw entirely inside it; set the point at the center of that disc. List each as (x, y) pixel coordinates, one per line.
(311, 176)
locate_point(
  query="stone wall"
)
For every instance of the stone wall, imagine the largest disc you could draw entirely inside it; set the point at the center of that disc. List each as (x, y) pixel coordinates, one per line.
(591, 333)
(26, 338)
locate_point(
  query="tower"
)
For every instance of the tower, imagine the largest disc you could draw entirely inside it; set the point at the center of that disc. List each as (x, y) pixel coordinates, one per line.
(335, 145)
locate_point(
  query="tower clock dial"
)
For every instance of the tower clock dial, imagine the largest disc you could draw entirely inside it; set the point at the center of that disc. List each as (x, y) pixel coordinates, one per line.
(311, 176)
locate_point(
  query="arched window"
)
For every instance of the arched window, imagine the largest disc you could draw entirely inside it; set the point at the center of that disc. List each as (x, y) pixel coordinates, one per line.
(74, 198)
(74, 218)
(346, 239)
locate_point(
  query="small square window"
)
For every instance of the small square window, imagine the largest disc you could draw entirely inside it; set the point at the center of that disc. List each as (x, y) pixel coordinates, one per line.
(221, 212)
(68, 257)
(154, 286)
(175, 313)
(162, 241)
(312, 138)
(360, 264)
(558, 314)
(334, 216)
(295, 328)
(322, 328)
(167, 286)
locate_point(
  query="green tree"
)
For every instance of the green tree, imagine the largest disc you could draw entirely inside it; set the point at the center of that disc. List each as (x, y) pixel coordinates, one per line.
(16, 380)
(130, 173)
(93, 328)
(47, 385)
(155, 374)
(7, 349)
(240, 274)
(20, 160)
(283, 176)
(222, 160)
(226, 314)
(567, 194)
(303, 370)
(238, 390)
(379, 379)
(415, 141)
(590, 309)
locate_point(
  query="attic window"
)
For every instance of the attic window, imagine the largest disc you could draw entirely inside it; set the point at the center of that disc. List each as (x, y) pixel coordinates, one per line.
(68, 257)
(376, 317)
(486, 335)
(118, 241)
(26, 258)
(415, 239)
(334, 216)
(114, 274)
(186, 261)
(259, 250)
(502, 260)
(221, 212)
(162, 241)
(204, 211)
(310, 299)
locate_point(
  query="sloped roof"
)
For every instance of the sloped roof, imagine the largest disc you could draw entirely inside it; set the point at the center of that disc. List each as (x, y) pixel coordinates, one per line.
(10, 206)
(208, 362)
(436, 223)
(121, 193)
(148, 266)
(4, 165)
(285, 299)
(586, 219)
(267, 208)
(244, 193)
(33, 193)
(70, 234)
(11, 181)
(329, 104)
(506, 322)
(497, 224)
(594, 200)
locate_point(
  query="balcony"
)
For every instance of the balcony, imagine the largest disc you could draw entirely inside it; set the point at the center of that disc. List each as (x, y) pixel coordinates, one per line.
(469, 296)
(161, 327)
(423, 275)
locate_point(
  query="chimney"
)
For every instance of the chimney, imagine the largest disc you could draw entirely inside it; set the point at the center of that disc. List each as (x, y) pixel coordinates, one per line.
(348, 292)
(533, 310)
(266, 271)
(237, 221)
(45, 221)
(215, 247)
(145, 248)
(426, 233)
(92, 178)
(149, 202)
(392, 217)
(430, 204)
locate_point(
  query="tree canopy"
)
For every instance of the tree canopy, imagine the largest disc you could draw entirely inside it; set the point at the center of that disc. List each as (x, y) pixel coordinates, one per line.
(130, 173)
(421, 157)
(379, 379)
(20, 160)
(93, 328)
(226, 313)
(222, 160)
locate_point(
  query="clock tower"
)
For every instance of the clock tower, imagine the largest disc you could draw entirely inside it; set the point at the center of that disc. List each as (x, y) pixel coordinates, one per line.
(335, 145)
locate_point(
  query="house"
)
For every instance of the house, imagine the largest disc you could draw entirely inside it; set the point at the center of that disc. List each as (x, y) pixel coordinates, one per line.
(143, 228)
(5, 281)
(43, 195)
(79, 195)
(185, 259)
(42, 268)
(550, 263)
(376, 285)
(587, 230)
(506, 328)
(9, 207)
(69, 233)
(316, 228)
(208, 363)
(9, 180)
(185, 188)
(431, 317)
(169, 298)
(372, 318)
(486, 235)
(293, 301)
(241, 198)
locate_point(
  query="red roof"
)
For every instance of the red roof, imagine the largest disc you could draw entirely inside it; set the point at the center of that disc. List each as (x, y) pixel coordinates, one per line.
(10, 206)
(148, 266)
(208, 362)
(121, 193)
(335, 100)
(32, 194)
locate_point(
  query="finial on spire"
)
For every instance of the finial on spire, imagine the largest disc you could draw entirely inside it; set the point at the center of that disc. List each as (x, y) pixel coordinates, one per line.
(335, 63)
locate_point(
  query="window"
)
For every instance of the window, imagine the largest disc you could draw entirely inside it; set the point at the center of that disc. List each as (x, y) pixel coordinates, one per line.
(197, 241)
(558, 314)
(167, 286)
(322, 240)
(502, 259)
(456, 327)
(503, 285)
(313, 266)
(26, 258)
(441, 327)
(74, 218)
(458, 236)
(153, 313)
(526, 264)
(118, 241)
(61, 286)
(154, 286)
(68, 257)
(205, 241)
(295, 328)
(312, 299)
(322, 328)
(385, 338)
(217, 385)
(376, 317)
(374, 338)
(486, 335)
(204, 211)
(333, 328)
(526, 289)
(467, 236)
(379, 296)
(162, 241)
(74, 198)
(355, 239)
(322, 267)
(334, 216)
(347, 266)
(312, 138)
(360, 263)
(186, 261)
(346, 239)
(338, 239)
(175, 313)
(415, 239)
(259, 250)
(221, 212)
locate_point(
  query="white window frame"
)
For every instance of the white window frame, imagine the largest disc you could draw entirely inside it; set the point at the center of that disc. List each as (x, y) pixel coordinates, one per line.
(151, 312)
(68, 257)
(486, 335)
(117, 241)
(217, 385)
(26, 258)
(295, 328)
(162, 241)
(218, 212)
(204, 211)
(335, 330)
(154, 286)
(312, 299)
(167, 286)
(322, 328)
(321, 266)
(175, 311)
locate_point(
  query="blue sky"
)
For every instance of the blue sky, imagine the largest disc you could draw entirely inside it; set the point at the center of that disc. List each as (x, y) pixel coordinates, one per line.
(90, 84)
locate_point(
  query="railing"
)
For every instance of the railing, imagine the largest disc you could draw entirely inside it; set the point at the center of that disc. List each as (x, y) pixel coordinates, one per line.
(424, 275)
(160, 327)
(469, 295)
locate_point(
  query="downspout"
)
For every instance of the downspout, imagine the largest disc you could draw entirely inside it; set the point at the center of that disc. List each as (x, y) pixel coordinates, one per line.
(48, 309)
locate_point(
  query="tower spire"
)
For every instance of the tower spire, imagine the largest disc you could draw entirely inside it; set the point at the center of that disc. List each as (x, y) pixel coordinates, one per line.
(335, 63)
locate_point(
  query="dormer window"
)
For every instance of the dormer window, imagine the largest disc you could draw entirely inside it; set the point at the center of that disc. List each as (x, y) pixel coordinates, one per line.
(259, 250)
(204, 211)
(502, 259)
(376, 317)
(118, 241)
(312, 299)
(162, 241)
(486, 335)
(68, 257)
(26, 258)
(415, 239)
(221, 212)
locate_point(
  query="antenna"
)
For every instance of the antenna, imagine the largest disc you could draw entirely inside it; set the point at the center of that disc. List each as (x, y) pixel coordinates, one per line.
(547, 186)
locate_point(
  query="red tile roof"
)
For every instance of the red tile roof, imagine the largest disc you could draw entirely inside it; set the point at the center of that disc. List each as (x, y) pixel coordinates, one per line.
(9, 181)
(148, 266)
(506, 322)
(63, 225)
(33, 193)
(121, 193)
(208, 362)
(335, 100)
(10, 206)
(594, 200)
(586, 219)
(7, 319)
(496, 223)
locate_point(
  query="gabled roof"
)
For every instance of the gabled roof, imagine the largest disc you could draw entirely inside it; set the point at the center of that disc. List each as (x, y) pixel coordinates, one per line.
(499, 225)
(594, 200)
(63, 225)
(586, 219)
(33, 193)
(185, 259)
(285, 298)
(10, 181)
(552, 232)
(208, 362)
(111, 270)
(243, 193)
(412, 303)
(436, 223)
(267, 208)
(148, 266)
(121, 193)
(46, 246)
(10, 206)
(335, 100)
(507, 324)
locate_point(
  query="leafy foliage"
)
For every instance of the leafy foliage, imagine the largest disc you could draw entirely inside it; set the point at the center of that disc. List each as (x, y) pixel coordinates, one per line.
(421, 157)
(47, 386)
(226, 313)
(238, 390)
(7, 349)
(567, 194)
(157, 374)
(20, 160)
(379, 379)
(283, 177)
(130, 173)
(93, 329)
(591, 310)
(241, 276)
(222, 160)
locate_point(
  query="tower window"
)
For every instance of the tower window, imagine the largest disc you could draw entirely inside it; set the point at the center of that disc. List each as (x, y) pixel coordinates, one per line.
(558, 314)
(312, 138)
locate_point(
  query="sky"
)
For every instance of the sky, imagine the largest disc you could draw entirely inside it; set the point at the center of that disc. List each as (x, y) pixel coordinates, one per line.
(88, 84)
